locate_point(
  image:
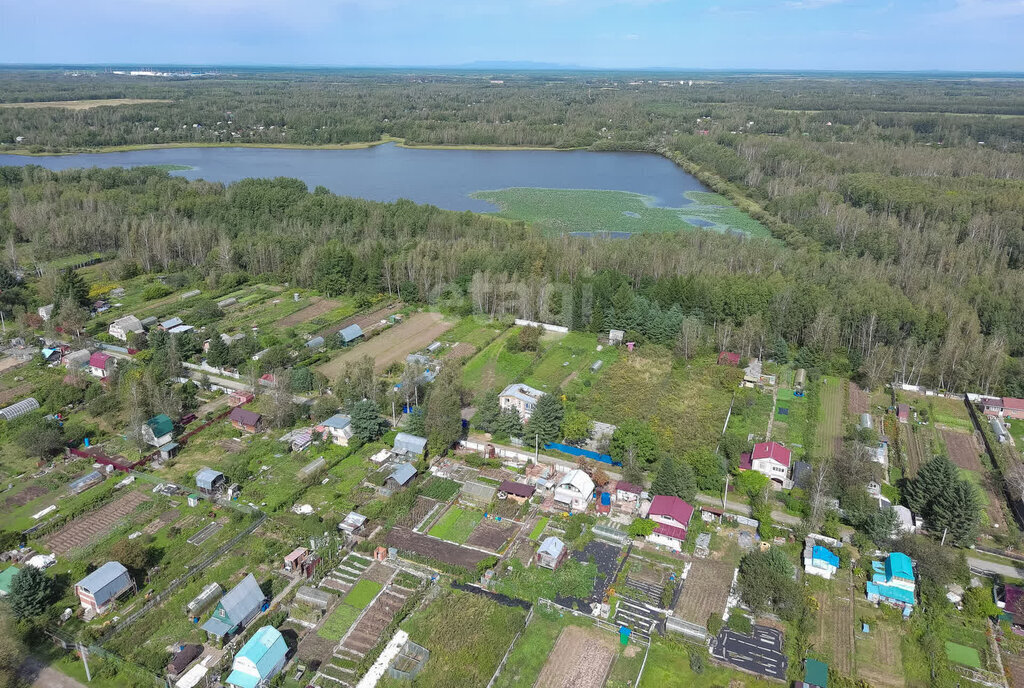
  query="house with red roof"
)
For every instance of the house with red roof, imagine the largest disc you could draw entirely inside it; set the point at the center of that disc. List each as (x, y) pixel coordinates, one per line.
(728, 358)
(672, 516)
(903, 413)
(100, 364)
(773, 460)
(1004, 407)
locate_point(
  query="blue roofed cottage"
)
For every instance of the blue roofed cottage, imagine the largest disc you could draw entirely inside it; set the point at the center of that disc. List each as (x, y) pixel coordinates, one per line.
(893, 582)
(259, 660)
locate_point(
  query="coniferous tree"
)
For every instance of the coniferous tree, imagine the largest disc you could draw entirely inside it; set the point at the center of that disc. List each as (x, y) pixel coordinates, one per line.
(488, 412)
(444, 411)
(546, 421)
(508, 423)
(367, 423)
(932, 479)
(30, 592)
(955, 510)
(218, 353)
(71, 287)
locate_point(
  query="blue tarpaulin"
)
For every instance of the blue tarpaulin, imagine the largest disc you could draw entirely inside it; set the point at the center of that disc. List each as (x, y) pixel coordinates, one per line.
(576, 451)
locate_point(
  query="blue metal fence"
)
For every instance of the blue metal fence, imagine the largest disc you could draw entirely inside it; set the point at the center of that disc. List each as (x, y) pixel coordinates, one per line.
(576, 451)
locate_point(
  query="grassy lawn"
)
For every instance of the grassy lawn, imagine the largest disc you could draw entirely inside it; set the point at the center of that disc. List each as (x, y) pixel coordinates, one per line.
(495, 367)
(457, 524)
(794, 427)
(539, 528)
(568, 357)
(473, 330)
(334, 627)
(362, 593)
(589, 210)
(648, 386)
(467, 636)
(750, 413)
(961, 654)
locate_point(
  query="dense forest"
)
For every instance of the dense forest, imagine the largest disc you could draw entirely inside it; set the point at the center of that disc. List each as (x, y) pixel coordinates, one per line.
(899, 203)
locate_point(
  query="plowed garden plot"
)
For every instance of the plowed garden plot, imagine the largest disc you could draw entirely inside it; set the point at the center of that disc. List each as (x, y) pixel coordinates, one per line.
(491, 535)
(879, 659)
(314, 310)
(460, 351)
(834, 632)
(859, 401)
(405, 539)
(1014, 668)
(963, 450)
(581, 658)
(918, 447)
(392, 345)
(423, 506)
(705, 591)
(9, 395)
(89, 528)
(367, 632)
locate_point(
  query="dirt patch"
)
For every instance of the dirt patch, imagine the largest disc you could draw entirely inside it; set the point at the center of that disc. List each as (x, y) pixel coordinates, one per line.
(83, 104)
(918, 450)
(7, 396)
(456, 555)
(705, 591)
(1014, 668)
(315, 309)
(87, 529)
(858, 400)
(581, 658)
(419, 511)
(24, 497)
(834, 631)
(460, 351)
(392, 345)
(491, 535)
(963, 450)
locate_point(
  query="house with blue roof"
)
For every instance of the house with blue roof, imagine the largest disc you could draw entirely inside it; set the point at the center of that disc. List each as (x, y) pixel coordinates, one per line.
(236, 609)
(259, 660)
(819, 561)
(893, 582)
(400, 476)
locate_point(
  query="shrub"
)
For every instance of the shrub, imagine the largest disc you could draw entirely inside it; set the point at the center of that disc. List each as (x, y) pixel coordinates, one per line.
(740, 623)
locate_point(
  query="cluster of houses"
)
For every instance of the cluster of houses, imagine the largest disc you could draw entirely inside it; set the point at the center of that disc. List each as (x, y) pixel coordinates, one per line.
(892, 580)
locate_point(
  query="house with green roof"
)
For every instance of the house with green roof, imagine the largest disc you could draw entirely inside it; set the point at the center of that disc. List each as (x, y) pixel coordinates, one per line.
(259, 660)
(158, 430)
(893, 582)
(6, 576)
(815, 674)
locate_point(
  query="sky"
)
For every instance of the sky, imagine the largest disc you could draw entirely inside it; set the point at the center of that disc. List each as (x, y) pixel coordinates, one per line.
(884, 35)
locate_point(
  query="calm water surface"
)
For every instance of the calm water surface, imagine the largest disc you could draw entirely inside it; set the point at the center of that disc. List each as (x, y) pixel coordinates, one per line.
(444, 178)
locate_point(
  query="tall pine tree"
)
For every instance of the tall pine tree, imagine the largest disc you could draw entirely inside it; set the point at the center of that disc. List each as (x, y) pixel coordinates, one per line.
(932, 479)
(546, 421)
(957, 511)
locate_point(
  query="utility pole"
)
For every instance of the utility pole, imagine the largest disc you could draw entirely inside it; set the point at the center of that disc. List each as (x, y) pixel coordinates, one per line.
(944, 531)
(725, 494)
(85, 660)
(536, 449)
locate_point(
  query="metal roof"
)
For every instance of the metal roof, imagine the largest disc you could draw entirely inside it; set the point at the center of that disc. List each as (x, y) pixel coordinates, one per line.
(266, 651)
(173, 322)
(161, 425)
(339, 421)
(552, 547)
(106, 582)
(243, 599)
(403, 473)
(206, 477)
(522, 392)
(351, 332)
(517, 489)
(410, 443)
(19, 409)
(821, 554)
(898, 565)
(579, 481)
(245, 416)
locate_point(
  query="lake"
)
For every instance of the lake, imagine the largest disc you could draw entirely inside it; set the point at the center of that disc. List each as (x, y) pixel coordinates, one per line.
(387, 172)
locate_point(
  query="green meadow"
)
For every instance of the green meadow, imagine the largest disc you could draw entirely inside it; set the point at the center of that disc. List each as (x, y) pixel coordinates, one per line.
(558, 211)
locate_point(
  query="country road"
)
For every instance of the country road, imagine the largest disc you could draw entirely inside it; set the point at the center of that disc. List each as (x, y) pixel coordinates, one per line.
(985, 566)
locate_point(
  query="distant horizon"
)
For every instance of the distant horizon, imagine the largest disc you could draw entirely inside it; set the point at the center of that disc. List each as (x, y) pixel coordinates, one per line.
(959, 36)
(493, 65)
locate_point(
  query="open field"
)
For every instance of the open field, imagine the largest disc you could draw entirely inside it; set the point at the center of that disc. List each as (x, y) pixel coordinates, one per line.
(392, 345)
(705, 591)
(89, 528)
(834, 631)
(917, 441)
(879, 659)
(558, 211)
(83, 104)
(457, 524)
(830, 427)
(647, 385)
(314, 310)
(490, 534)
(566, 358)
(581, 658)
(366, 321)
(456, 555)
(940, 411)
(467, 636)
(963, 450)
(494, 367)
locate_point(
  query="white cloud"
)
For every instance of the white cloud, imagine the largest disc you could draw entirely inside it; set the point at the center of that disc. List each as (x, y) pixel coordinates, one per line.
(632, 37)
